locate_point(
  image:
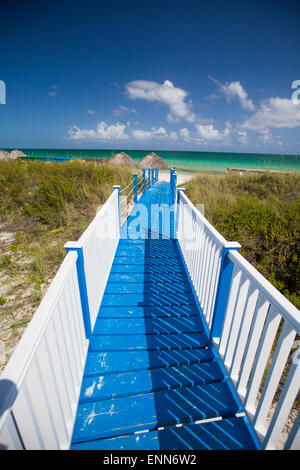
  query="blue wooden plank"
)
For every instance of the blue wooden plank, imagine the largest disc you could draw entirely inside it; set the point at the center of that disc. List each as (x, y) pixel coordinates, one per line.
(152, 312)
(149, 243)
(109, 418)
(146, 268)
(131, 300)
(145, 288)
(225, 434)
(151, 263)
(149, 350)
(116, 362)
(103, 387)
(144, 326)
(163, 278)
(147, 343)
(147, 253)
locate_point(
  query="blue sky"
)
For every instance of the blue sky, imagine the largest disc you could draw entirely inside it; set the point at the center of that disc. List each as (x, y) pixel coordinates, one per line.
(189, 75)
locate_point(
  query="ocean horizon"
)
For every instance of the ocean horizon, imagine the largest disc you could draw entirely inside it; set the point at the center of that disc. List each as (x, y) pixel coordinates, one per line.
(185, 161)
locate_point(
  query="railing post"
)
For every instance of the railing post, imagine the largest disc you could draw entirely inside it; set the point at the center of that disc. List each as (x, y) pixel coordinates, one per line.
(177, 209)
(144, 179)
(174, 187)
(73, 246)
(224, 283)
(149, 178)
(117, 187)
(135, 192)
(173, 184)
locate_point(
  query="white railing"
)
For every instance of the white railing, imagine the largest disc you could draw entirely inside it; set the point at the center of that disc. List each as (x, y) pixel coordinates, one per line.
(259, 331)
(202, 247)
(40, 385)
(96, 248)
(253, 326)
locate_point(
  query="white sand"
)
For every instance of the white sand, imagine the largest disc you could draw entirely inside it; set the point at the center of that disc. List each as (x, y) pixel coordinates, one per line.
(182, 177)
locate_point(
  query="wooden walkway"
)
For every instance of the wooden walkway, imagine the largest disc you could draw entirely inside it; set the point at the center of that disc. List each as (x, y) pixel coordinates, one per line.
(152, 379)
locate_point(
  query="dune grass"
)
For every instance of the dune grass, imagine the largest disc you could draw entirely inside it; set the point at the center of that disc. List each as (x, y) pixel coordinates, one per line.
(42, 206)
(262, 212)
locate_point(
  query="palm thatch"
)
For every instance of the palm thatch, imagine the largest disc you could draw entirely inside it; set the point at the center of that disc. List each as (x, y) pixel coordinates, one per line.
(122, 159)
(153, 161)
(17, 154)
(4, 154)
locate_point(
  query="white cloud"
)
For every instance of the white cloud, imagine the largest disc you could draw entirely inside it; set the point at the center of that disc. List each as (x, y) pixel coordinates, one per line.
(103, 132)
(123, 110)
(154, 134)
(233, 90)
(164, 93)
(210, 133)
(280, 113)
(184, 134)
(53, 91)
(266, 137)
(243, 137)
(91, 112)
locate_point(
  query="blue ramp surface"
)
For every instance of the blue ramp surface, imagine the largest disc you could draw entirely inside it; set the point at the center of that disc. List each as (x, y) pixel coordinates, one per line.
(152, 378)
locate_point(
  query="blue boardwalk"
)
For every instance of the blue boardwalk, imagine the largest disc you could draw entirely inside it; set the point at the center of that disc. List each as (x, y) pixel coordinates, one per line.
(152, 378)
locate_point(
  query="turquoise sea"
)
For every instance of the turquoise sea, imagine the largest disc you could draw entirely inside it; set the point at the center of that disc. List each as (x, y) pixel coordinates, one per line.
(187, 161)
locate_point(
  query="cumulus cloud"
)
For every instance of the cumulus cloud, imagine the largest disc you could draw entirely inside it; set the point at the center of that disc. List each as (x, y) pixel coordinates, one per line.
(123, 110)
(164, 93)
(274, 113)
(154, 134)
(210, 133)
(103, 132)
(233, 90)
(185, 135)
(242, 137)
(52, 91)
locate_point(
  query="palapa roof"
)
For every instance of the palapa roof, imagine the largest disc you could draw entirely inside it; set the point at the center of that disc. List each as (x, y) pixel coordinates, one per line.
(17, 153)
(153, 161)
(4, 155)
(122, 159)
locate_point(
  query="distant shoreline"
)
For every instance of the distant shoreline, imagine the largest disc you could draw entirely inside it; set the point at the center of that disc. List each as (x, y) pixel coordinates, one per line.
(186, 161)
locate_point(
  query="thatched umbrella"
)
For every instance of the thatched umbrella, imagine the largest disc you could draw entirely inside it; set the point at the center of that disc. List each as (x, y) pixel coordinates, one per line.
(153, 161)
(16, 154)
(4, 155)
(121, 159)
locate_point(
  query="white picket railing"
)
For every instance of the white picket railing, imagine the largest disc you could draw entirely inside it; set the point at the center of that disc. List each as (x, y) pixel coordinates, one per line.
(254, 315)
(202, 247)
(259, 330)
(40, 385)
(98, 245)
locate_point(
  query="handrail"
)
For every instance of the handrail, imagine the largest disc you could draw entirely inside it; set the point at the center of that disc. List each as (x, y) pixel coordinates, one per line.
(43, 377)
(218, 238)
(259, 329)
(97, 247)
(281, 303)
(40, 386)
(203, 250)
(252, 324)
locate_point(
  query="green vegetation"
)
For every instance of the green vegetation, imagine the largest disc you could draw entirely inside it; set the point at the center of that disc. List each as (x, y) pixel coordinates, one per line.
(42, 206)
(262, 212)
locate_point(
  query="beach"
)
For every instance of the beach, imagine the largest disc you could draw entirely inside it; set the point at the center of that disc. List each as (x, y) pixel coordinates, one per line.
(186, 162)
(182, 177)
